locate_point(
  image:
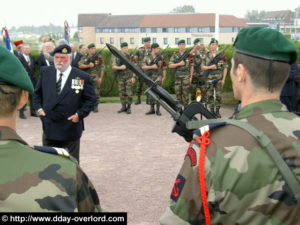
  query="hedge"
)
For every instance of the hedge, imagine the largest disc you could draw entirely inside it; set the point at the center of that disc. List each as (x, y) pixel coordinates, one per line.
(169, 82)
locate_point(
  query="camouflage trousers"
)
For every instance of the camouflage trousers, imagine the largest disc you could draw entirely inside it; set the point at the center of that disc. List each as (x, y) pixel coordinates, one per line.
(139, 87)
(182, 89)
(198, 81)
(154, 77)
(125, 89)
(214, 102)
(96, 85)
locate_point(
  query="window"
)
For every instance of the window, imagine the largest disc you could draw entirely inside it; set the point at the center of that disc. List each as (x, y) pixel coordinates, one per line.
(111, 41)
(132, 41)
(188, 30)
(165, 41)
(101, 40)
(165, 30)
(80, 40)
(179, 29)
(212, 30)
(171, 30)
(143, 30)
(148, 30)
(121, 40)
(79, 29)
(188, 41)
(153, 30)
(154, 40)
(142, 40)
(176, 40)
(194, 29)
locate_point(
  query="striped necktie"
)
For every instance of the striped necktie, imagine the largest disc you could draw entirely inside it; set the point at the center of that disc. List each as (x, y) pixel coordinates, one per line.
(58, 84)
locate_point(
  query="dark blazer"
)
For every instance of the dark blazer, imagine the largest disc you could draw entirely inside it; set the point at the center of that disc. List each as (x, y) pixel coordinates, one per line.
(77, 59)
(59, 108)
(41, 61)
(29, 68)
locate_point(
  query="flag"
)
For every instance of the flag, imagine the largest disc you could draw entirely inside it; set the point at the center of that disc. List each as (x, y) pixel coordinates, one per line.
(6, 39)
(67, 31)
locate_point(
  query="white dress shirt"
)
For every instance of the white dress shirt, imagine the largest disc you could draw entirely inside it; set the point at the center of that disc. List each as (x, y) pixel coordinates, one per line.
(64, 78)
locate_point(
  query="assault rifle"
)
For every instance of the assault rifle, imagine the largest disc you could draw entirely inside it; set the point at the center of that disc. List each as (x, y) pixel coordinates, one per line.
(155, 61)
(182, 58)
(215, 61)
(180, 115)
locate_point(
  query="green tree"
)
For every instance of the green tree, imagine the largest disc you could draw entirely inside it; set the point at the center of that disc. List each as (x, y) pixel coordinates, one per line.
(184, 9)
(255, 15)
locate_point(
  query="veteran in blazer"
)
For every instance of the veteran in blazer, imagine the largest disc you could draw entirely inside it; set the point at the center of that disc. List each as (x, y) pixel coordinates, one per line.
(63, 97)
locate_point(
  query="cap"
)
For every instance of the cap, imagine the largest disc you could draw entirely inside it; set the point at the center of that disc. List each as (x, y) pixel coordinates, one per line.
(154, 45)
(63, 49)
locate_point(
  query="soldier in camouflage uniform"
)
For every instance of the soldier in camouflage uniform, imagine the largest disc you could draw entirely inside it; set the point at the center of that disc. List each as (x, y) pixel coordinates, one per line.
(240, 183)
(32, 180)
(126, 80)
(198, 80)
(93, 64)
(218, 71)
(154, 71)
(141, 53)
(183, 76)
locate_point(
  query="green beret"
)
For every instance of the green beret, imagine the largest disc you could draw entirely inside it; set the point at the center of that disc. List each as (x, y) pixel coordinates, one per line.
(196, 41)
(91, 46)
(213, 40)
(63, 49)
(265, 43)
(12, 71)
(124, 44)
(146, 39)
(181, 42)
(154, 45)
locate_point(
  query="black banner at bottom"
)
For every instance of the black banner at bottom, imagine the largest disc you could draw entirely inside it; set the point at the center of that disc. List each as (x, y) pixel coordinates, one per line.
(115, 218)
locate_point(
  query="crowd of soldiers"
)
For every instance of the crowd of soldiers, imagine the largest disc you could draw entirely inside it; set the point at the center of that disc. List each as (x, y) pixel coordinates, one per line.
(189, 73)
(190, 80)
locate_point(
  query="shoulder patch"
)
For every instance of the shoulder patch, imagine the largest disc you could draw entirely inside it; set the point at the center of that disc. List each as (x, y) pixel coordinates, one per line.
(177, 188)
(53, 150)
(192, 155)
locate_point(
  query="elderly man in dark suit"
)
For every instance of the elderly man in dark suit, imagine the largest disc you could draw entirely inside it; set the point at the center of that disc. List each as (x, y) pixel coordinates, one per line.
(45, 59)
(28, 62)
(63, 97)
(76, 56)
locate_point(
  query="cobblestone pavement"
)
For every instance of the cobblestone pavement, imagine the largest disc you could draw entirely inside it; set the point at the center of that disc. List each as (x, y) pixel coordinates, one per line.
(132, 160)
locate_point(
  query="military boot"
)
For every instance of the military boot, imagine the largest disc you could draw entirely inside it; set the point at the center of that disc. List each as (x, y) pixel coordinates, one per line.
(218, 115)
(138, 101)
(212, 110)
(157, 110)
(123, 109)
(96, 108)
(128, 111)
(151, 111)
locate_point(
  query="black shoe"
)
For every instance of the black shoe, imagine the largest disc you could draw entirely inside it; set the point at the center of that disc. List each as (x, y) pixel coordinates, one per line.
(33, 115)
(138, 101)
(96, 108)
(123, 109)
(151, 111)
(128, 111)
(218, 115)
(157, 110)
(22, 116)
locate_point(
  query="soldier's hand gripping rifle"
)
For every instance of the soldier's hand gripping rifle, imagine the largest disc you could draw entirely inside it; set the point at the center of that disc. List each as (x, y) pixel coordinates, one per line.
(215, 61)
(180, 115)
(96, 57)
(155, 61)
(182, 58)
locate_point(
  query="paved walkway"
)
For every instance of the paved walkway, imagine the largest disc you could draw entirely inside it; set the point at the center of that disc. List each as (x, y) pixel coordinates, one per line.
(132, 160)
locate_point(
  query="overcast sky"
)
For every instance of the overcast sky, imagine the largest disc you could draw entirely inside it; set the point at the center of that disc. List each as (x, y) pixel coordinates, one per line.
(37, 12)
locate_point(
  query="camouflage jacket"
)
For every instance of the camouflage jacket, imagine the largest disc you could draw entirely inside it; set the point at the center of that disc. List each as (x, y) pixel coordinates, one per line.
(140, 55)
(243, 183)
(98, 64)
(122, 73)
(181, 70)
(161, 65)
(197, 59)
(221, 65)
(34, 181)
